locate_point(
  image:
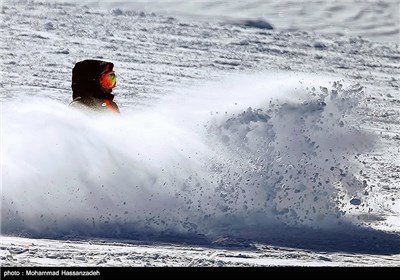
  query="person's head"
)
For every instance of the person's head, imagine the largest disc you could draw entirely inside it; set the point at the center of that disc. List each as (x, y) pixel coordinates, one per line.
(93, 78)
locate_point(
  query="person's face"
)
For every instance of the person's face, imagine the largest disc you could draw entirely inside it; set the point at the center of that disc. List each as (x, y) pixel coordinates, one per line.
(108, 81)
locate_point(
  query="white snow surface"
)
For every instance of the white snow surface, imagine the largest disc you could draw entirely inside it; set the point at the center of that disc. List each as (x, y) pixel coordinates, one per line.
(377, 20)
(236, 145)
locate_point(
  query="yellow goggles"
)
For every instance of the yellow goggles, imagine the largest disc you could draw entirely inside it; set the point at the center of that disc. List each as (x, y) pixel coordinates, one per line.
(108, 80)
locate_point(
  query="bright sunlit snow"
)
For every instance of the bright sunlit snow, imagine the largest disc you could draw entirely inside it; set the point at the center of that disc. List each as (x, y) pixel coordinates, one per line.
(236, 145)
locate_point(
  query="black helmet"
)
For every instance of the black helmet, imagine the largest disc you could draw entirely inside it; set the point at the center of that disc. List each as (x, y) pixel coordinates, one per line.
(86, 79)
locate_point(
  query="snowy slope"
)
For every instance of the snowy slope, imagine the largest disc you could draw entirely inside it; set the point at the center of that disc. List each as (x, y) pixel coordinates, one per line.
(245, 143)
(371, 19)
(105, 253)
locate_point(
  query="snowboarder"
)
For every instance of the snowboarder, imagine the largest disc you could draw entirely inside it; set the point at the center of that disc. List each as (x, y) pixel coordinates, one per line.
(92, 85)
